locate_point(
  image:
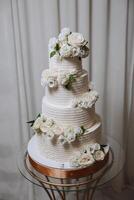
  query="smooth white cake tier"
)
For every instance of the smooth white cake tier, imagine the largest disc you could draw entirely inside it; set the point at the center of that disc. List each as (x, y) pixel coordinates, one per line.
(65, 63)
(64, 116)
(57, 154)
(62, 96)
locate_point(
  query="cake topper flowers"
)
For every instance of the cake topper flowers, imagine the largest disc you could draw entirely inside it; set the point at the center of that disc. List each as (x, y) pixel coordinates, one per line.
(68, 44)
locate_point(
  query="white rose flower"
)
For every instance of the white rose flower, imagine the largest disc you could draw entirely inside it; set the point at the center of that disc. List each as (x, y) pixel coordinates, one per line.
(71, 137)
(70, 134)
(87, 100)
(96, 146)
(65, 51)
(80, 104)
(57, 130)
(106, 149)
(86, 159)
(89, 149)
(75, 161)
(99, 155)
(49, 123)
(85, 104)
(43, 117)
(63, 36)
(62, 140)
(65, 31)
(63, 39)
(84, 52)
(93, 147)
(44, 82)
(78, 131)
(76, 39)
(91, 86)
(52, 43)
(85, 150)
(74, 103)
(43, 128)
(37, 123)
(64, 81)
(94, 93)
(52, 82)
(75, 51)
(50, 134)
(73, 72)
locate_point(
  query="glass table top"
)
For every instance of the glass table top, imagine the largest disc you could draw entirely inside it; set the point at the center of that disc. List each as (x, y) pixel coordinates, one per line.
(110, 171)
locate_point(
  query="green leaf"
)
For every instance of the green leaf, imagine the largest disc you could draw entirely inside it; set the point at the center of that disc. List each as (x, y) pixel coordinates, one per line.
(103, 145)
(29, 122)
(38, 115)
(52, 53)
(68, 86)
(32, 121)
(83, 129)
(72, 78)
(57, 47)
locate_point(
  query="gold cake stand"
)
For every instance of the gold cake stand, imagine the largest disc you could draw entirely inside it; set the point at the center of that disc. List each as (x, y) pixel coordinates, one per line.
(81, 183)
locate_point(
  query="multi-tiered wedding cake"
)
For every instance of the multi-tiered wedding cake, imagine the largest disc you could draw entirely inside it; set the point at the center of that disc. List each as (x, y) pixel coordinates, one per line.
(68, 132)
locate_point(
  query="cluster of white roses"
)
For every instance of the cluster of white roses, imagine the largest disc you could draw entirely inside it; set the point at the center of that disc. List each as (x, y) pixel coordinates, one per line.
(89, 155)
(86, 100)
(43, 125)
(53, 78)
(46, 126)
(70, 134)
(68, 44)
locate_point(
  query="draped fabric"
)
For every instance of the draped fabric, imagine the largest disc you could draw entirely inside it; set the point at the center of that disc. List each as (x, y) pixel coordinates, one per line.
(25, 28)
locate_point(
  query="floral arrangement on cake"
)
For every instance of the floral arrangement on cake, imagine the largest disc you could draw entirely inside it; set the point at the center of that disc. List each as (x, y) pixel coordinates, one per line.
(70, 134)
(86, 100)
(48, 127)
(90, 154)
(68, 44)
(53, 78)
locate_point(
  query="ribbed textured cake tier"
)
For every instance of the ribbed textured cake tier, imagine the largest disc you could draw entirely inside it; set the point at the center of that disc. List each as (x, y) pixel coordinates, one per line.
(63, 153)
(65, 64)
(69, 116)
(62, 96)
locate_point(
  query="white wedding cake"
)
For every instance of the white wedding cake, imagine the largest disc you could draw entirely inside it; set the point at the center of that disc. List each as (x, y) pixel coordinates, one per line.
(68, 132)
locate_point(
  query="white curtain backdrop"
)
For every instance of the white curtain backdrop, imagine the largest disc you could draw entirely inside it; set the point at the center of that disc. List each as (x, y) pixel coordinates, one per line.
(25, 28)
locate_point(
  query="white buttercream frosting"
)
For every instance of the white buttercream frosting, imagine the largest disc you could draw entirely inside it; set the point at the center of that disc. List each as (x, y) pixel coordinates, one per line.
(56, 63)
(63, 153)
(60, 96)
(69, 116)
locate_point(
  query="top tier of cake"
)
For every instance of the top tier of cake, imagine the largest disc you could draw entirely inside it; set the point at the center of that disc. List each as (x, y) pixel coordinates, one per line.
(66, 64)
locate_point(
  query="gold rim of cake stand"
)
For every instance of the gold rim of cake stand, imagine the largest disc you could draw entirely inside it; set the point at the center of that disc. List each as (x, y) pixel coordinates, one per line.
(68, 173)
